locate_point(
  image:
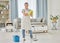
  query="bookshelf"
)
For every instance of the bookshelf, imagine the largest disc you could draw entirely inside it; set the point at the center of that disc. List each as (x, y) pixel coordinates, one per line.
(4, 12)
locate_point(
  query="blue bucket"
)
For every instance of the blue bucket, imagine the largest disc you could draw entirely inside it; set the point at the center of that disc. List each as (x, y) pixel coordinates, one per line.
(16, 38)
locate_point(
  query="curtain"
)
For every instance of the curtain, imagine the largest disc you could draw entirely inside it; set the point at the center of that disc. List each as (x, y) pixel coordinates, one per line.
(39, 8)
(42, 9)
(13, 9)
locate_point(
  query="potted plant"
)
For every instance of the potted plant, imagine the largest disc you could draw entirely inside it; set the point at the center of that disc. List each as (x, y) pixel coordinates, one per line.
(54, 18)
(54, 21)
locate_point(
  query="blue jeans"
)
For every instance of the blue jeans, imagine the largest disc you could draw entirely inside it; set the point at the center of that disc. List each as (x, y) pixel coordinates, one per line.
(23, 33)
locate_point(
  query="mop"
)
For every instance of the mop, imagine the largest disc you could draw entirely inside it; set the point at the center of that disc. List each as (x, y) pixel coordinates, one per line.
(35, 39)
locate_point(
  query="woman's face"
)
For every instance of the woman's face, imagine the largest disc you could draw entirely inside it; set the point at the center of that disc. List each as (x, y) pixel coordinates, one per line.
(26, 6)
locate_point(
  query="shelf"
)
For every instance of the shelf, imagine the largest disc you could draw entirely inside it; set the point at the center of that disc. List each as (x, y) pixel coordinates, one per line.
(4, 0)
(4, 12)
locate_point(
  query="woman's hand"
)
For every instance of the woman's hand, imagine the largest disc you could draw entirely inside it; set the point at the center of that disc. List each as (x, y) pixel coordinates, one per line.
(30, 13)
(26, 14)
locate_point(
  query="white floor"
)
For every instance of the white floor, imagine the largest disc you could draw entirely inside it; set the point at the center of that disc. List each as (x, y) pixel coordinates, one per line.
(53, 36)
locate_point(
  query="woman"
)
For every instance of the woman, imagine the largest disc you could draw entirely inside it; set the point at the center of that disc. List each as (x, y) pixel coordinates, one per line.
(26, 25)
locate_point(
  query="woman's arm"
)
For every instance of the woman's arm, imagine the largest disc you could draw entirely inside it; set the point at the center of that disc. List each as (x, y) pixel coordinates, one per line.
(31, 13)
(23, 12)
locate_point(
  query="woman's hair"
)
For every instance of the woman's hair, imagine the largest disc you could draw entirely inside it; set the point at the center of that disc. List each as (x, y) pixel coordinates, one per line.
(26, 2)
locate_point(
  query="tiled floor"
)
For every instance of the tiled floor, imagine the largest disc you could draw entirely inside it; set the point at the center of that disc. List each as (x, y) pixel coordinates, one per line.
(53, 36)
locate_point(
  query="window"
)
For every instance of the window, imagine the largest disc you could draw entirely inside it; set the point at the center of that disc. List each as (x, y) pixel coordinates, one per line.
(39, 8)
(32, 5)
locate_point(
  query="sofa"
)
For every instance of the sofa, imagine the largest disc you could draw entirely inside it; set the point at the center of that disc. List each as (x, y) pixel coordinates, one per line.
(34, 23)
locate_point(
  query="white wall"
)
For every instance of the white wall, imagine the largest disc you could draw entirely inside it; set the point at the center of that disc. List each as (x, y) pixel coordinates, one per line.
(54, 9)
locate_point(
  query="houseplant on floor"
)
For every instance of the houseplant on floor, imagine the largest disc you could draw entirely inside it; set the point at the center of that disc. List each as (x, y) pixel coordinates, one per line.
(54, 21)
